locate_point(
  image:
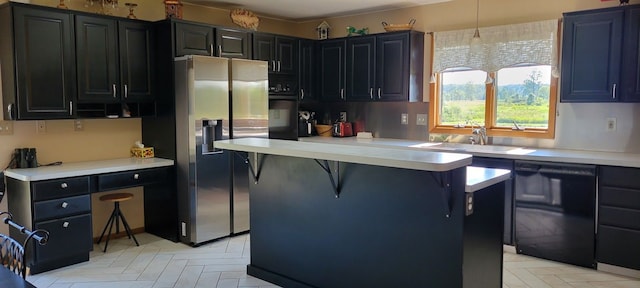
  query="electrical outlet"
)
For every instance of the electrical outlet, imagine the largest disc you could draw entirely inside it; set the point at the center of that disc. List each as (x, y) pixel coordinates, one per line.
(404, 119)
(78, 125)
(6, 127)
(41, 126)
(343, 116)
(611, 124)
(421, 119)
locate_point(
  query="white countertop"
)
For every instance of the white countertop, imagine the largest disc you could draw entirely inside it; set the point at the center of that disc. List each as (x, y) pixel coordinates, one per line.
(379, 156)
(479, 177)
(74, 169)
(496, 151)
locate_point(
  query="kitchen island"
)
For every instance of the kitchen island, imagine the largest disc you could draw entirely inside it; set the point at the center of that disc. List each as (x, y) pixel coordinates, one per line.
(326, 215)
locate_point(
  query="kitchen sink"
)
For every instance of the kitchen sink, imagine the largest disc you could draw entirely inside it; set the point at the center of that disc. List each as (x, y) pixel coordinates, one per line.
(462, 147)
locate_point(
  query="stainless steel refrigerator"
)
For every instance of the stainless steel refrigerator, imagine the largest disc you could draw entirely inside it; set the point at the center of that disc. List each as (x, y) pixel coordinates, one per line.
(216, 98)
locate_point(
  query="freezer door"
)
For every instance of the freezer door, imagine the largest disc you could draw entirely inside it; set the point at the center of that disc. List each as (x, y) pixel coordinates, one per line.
(249, 98)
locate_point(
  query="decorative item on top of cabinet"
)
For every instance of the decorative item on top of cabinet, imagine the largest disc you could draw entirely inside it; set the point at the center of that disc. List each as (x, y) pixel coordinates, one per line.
(131, 6)
(352, 30)
(398, 27)
(245, 19)
(173, 9)
(323, 30)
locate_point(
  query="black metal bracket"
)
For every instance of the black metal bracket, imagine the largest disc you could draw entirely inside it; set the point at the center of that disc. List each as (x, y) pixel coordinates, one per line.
(253, 166)
(327, 168)
(444, 180)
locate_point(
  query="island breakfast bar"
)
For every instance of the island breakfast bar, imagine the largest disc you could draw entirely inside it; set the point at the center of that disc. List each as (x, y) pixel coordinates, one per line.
(331, 215)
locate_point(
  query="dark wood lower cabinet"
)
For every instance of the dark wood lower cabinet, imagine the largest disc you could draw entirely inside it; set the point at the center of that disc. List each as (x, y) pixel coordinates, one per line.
(618, 232)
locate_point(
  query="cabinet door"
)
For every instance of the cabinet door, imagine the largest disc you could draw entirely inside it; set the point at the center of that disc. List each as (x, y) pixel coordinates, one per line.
(286, 55)
(97, 56)
(264, 49)
(193, 39)
(392, 76)
(136, 60)
(332, 70)
(232, 43)
(631, 50)
(307, 72)
(70, 236)
(45, 64)
(361, 66)
(591, 55)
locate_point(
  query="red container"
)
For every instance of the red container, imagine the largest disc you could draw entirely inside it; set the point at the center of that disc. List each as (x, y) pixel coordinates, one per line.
(342, 129)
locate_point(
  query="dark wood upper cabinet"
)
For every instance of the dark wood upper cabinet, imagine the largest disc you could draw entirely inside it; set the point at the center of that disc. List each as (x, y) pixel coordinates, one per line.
(136, 60)
(332, 69)
(600, 55)
(202, 39)
(97, 56)
(233, 43)
(307, 75)
(38, 57)
(361, 68)
(381, 67)
(399, 66)
(280, 51)
(193, 39)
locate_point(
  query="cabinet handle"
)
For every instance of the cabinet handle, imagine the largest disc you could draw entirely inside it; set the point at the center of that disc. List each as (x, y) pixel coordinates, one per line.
(126, 91)
(614, 92)
(211, 50)
(71, 108)
(301, 94)
(220, 50)
(379, 89)
(136, 176)
(113, 86)
(279, 65)
(65, 224)
(273, 65)
(64, 185)
(64, 204)
(371, 93)
(341, 93)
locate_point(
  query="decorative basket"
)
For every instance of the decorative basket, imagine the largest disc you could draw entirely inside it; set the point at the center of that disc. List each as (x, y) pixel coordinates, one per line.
(146, 152)
(324, 130)
(245, 18)
(398, 27)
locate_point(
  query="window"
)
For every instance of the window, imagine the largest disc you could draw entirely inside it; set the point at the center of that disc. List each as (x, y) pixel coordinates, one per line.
(516, 97)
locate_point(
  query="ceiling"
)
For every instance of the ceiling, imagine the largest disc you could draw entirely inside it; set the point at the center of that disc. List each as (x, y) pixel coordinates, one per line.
(300, 10)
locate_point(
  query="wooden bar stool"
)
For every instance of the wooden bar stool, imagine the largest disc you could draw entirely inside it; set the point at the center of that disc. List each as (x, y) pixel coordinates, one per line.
(116, 198)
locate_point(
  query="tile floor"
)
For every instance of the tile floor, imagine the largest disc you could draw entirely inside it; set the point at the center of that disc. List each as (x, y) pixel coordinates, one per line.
(161, 263)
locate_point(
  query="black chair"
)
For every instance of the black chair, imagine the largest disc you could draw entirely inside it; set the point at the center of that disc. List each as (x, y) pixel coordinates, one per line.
(12, 252)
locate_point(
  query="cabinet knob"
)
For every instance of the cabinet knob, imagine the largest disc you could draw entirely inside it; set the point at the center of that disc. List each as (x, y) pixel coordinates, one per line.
(64, 204)
(65, 224)
(64, 185)
(136, 176)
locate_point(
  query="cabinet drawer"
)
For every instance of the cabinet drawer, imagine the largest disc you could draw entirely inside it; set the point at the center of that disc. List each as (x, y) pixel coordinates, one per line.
(130, 178)
(619, 177)
(618, 247)
(620, 197)
(58, 188)
(57, 208)
(619, 217)
(67, 237)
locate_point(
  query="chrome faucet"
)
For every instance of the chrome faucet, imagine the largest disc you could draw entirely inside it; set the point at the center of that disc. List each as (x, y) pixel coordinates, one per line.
(481, 131)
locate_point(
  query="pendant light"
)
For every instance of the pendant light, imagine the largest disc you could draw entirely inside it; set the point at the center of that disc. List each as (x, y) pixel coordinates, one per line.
(476, 34)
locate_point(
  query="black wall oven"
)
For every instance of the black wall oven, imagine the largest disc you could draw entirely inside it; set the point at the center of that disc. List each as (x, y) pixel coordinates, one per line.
(283, 118)
(555, 211)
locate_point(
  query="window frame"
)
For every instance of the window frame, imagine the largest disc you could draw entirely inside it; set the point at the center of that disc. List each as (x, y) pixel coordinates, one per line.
(490, 112)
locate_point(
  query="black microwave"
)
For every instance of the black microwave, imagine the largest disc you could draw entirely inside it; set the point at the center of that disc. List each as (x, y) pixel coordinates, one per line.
(280, 85)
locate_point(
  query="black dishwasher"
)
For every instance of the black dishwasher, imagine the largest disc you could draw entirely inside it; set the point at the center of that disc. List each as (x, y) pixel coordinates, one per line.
(555, 211)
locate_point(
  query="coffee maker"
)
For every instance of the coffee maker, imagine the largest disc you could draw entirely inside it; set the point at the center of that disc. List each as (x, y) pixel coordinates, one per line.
(306, 123)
